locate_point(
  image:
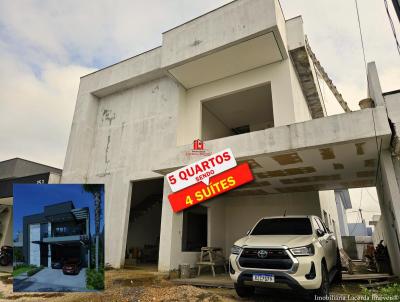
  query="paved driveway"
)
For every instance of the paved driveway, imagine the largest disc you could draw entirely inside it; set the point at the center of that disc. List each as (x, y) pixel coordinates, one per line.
(51, 280)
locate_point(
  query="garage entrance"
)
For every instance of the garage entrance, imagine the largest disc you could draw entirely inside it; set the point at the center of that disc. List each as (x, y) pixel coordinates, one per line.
(142, 245)
(62, 252)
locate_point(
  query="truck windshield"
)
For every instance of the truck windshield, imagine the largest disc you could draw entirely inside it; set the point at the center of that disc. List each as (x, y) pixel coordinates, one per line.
(283, 226)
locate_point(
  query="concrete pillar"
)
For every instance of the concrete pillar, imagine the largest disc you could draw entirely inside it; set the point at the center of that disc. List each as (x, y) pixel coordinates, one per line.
(170, 235)
(389, 201)
(89, 238)
(49, 245)
(117, 219)
(282, 95)
(167, 217)
(374, 86)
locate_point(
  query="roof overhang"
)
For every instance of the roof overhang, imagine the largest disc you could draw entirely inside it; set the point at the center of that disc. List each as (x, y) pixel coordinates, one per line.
(196, 53)
(65, 239)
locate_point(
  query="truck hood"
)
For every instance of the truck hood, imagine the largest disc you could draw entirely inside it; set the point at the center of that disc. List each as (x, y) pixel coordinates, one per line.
(275, 240)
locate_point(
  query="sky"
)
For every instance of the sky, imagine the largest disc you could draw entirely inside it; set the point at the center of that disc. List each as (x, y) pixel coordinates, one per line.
(46, 46)
(30, 199)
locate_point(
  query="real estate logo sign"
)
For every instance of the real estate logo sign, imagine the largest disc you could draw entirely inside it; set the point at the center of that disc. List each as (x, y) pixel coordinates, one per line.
(205, 179)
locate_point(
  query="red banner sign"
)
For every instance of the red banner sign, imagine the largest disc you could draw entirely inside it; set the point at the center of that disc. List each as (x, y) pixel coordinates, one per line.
(219, 184)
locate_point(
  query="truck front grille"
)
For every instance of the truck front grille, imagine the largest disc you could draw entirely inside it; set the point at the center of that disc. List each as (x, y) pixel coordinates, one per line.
(265, 258)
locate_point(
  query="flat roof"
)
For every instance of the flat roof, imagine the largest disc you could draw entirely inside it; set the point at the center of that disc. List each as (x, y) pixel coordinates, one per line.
(19, 167)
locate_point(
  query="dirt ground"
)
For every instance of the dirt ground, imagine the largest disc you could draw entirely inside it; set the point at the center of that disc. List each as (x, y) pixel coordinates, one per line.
(145, 285)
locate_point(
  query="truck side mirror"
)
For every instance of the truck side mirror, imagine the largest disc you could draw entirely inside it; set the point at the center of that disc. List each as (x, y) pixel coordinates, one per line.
(320, 233)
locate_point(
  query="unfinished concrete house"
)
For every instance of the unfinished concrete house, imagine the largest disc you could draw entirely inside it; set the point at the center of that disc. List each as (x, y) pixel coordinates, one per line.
(239, 77)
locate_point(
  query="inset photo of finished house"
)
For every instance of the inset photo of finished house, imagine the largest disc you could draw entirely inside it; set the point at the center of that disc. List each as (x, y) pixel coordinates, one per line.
(58, 238)
(13, 171)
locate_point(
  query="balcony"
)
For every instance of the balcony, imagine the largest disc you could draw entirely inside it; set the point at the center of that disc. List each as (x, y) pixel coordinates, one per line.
(237, 113)
(65, 234)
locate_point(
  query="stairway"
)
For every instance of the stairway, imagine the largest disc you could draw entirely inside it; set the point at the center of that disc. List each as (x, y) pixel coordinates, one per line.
(145, 206)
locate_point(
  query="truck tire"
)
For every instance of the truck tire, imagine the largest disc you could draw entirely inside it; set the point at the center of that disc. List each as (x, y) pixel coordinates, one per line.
(338, 275)
(4, 261)
(244, 291)
(323, 290)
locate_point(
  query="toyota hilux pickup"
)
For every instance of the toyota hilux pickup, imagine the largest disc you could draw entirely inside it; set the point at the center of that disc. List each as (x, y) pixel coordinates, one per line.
(295, 252)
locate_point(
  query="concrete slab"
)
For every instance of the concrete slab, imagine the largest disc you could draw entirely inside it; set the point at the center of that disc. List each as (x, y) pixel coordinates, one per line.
(221, 281)
(321, 154)
(224, 281)
(51, 280)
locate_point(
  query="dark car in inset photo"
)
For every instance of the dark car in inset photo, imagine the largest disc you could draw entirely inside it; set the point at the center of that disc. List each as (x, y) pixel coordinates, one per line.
(72, 266)
(57, 264)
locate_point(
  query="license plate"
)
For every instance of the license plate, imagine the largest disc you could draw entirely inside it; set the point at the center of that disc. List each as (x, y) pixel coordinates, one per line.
(263, 278)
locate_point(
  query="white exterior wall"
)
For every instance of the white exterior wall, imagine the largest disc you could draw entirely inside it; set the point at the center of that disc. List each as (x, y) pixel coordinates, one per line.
(34, 248)
(343, 225)
(54, 178)
(328, 204)
(212, 126)
(378, 233)
(132, 128)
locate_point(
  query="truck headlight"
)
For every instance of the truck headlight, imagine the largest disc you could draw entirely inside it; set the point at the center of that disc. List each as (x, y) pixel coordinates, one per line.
(303, 250)
(236, 250)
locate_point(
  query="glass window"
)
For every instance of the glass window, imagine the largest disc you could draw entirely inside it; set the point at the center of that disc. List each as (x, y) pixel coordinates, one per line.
(283, 226)
(194, 233)
(320, 225)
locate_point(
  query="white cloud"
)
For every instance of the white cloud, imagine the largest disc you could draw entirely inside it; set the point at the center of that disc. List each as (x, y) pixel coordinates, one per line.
(36, 114)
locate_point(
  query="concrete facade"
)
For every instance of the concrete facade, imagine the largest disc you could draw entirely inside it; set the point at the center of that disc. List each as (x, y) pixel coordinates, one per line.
(137, 119)
(343, 202)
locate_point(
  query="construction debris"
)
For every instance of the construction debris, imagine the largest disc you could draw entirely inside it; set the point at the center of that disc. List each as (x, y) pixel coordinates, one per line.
(347, 263)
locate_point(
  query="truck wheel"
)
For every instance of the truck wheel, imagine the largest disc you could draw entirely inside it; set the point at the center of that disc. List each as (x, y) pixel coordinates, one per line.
(244, 291)
(4, 261)
(323, 290)
(338, 275)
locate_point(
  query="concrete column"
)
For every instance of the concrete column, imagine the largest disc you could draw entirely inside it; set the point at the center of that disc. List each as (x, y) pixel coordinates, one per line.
(170, 235)
(374, 86)
(282, 95)
(49, 245)
(117, 219)
(167, 217)
(389, 201)
(90, 240)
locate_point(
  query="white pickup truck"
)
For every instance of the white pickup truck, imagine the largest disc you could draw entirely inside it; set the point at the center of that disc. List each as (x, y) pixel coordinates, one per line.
(297, 252)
